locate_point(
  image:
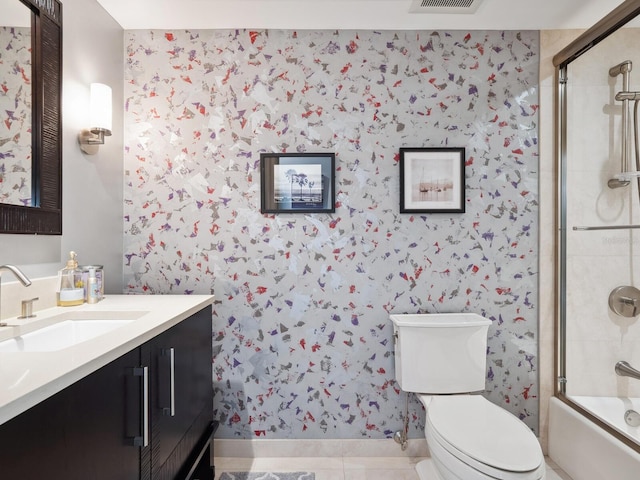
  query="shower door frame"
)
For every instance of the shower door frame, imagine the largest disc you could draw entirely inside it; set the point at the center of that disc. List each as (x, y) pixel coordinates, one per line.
(620, 16)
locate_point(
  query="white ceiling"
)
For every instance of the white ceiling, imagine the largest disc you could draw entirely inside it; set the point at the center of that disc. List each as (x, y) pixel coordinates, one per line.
(353, 14)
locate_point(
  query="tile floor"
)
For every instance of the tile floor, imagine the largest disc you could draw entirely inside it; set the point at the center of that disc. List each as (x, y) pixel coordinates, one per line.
(343, 468)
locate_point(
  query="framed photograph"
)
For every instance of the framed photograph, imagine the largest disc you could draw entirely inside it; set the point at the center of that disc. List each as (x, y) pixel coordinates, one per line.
(432, 180)
(297, 182)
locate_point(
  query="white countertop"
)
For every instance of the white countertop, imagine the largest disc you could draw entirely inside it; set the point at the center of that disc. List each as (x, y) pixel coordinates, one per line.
(27, 378)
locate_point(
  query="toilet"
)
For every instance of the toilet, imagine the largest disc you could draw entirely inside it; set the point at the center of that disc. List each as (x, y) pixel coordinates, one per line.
(442, 359)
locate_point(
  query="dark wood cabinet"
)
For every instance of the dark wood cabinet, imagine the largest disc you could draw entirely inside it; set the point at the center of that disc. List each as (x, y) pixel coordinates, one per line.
(96, 427)
(102, 420)
(33, 445)
(182, 393)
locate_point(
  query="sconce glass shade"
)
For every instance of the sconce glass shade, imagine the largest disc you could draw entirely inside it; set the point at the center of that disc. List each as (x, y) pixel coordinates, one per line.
(100, 117)
(100, 108)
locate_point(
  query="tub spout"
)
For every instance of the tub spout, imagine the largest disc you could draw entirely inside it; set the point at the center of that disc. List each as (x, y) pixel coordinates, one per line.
(625, 370)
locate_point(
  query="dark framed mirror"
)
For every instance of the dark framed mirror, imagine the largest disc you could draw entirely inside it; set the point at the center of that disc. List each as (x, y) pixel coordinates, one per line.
(42, 213)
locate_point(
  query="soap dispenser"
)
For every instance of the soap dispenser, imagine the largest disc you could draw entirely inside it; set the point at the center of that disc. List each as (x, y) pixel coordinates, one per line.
(71, 291)
(93, 288)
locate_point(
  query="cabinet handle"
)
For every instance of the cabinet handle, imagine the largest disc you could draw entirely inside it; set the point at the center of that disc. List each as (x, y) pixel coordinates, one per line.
(172, 381)
(172, 356)
(145, 407)
(144, 373)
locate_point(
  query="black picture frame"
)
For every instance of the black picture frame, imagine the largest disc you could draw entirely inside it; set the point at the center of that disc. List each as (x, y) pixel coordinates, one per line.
(432, 180)
(297, 182)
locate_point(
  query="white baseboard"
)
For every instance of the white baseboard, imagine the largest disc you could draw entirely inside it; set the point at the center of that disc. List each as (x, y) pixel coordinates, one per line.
(256, 448)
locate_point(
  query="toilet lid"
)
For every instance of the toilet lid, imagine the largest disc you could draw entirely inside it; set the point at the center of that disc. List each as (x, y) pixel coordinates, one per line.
(470, 423)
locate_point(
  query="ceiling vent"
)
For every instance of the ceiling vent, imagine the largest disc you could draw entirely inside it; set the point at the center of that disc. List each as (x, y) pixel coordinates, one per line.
(444, 6)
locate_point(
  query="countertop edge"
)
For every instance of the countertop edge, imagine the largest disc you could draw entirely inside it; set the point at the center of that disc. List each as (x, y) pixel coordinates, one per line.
(91, 362)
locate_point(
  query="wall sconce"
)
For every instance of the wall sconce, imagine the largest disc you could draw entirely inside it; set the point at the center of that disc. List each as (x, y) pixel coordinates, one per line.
(100, 119)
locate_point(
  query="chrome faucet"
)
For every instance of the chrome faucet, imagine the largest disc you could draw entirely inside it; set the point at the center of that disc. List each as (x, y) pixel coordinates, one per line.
(625, 370)
(19, 275)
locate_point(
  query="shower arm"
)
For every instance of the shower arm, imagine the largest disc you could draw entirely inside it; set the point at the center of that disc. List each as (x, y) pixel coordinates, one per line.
(623, 369)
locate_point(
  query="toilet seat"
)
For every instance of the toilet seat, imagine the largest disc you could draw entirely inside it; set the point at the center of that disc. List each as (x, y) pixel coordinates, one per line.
(467, 427)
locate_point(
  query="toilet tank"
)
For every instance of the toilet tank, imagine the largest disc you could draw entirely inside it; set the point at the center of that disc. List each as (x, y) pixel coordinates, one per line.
(440, 352)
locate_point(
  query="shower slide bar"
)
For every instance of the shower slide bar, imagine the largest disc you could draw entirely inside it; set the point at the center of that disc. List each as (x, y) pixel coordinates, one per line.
(608, 227)
(623, 69)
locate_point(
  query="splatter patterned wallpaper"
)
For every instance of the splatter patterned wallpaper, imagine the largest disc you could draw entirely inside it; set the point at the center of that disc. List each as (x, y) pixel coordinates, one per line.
(15, 115)
(303, 345)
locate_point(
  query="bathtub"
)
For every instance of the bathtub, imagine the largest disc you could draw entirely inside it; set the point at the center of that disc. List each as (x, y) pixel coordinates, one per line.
(583, 449)
(611, 410)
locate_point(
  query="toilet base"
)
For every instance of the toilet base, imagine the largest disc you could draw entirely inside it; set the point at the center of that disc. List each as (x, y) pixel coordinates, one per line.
(426, 470)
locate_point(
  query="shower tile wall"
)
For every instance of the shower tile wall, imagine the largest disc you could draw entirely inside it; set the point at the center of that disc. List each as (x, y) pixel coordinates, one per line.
(599, 261)
(303, 344)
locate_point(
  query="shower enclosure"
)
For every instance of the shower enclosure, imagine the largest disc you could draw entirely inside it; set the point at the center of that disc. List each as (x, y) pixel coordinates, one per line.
(598, 219)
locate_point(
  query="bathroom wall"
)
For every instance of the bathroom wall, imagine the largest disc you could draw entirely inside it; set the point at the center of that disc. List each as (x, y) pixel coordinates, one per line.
(551, 42)
(303, 345)
(92, 185)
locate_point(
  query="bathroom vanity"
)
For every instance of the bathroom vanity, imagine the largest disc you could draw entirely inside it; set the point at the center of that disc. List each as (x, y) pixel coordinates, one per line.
(133, 401)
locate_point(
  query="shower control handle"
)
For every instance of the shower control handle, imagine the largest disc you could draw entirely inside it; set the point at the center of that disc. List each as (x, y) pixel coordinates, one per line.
(625, 301)
(629, 301)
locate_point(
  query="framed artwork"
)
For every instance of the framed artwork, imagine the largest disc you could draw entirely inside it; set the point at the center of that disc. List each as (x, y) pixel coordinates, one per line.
(297, 182)
(432, 180)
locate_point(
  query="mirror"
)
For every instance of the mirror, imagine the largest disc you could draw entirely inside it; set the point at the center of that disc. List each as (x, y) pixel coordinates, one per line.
(30, 102)
(15, 103)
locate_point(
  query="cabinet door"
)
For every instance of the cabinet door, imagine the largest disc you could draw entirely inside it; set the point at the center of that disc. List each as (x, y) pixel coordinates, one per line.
(104, 417)
(84, 431)
(32, 444)
(182, 393)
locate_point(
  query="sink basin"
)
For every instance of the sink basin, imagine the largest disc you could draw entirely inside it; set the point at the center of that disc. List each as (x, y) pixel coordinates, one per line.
(66, 331)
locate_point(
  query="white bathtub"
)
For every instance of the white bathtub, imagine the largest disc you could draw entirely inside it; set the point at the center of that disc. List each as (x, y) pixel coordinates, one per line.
(611, 410)
(584, 450)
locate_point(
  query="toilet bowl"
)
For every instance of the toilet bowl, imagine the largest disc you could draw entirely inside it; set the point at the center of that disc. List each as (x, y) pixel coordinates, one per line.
(442, 359)
(470, 438)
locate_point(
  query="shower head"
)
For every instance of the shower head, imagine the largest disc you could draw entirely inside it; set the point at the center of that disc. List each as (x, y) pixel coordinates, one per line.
(624, 67)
